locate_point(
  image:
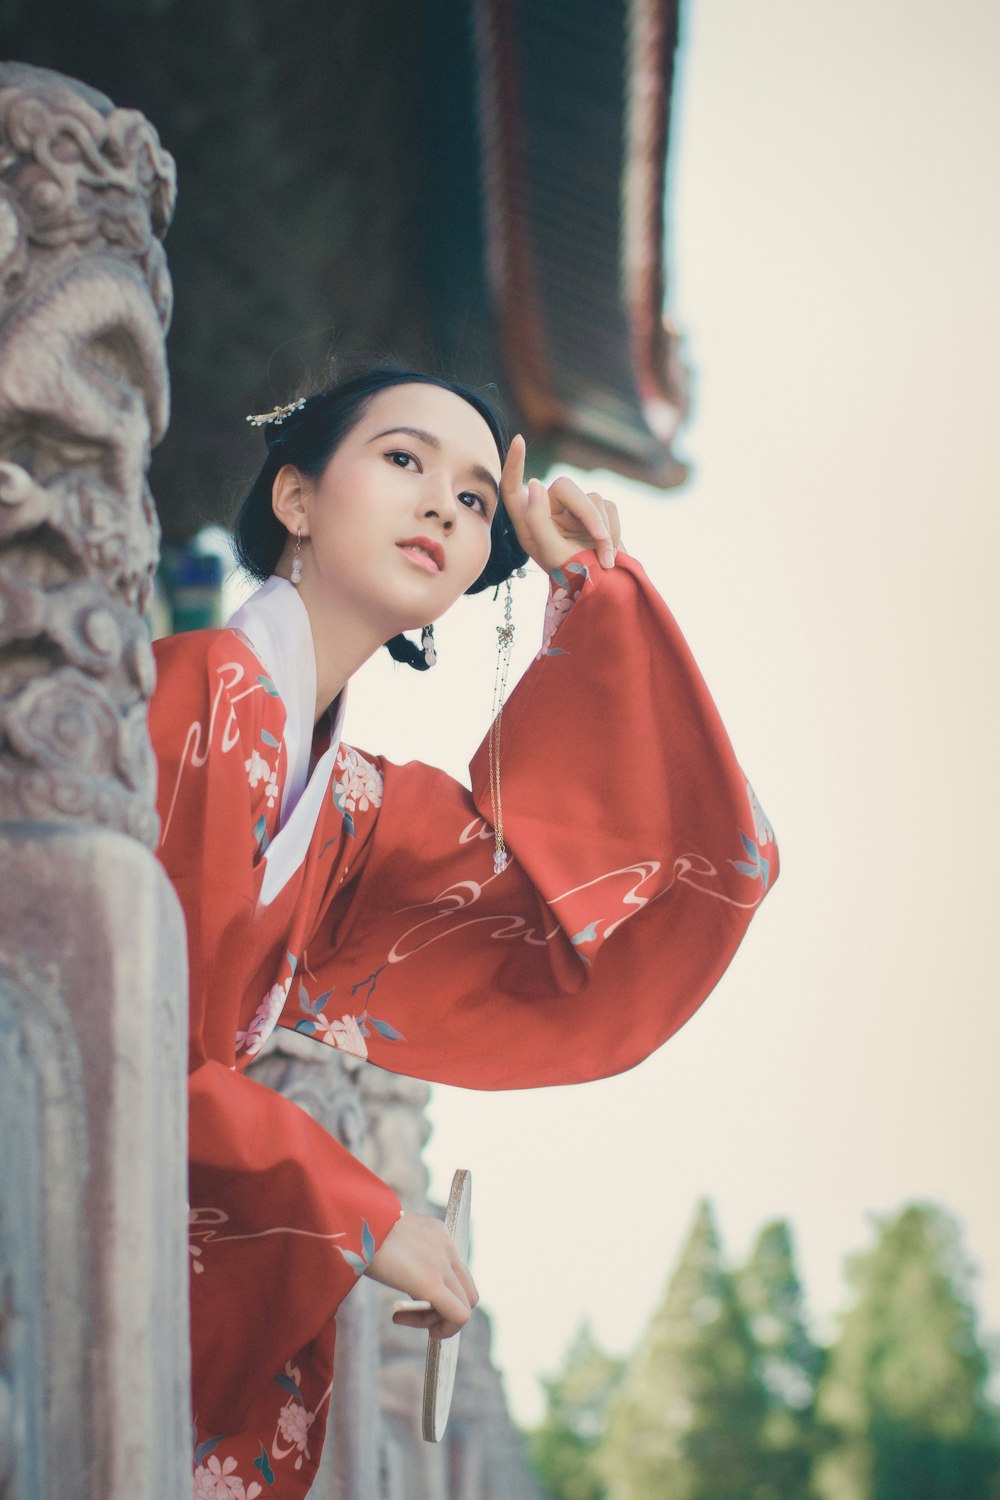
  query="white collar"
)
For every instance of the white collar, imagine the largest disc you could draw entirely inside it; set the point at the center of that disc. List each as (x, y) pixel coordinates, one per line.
(275, 623)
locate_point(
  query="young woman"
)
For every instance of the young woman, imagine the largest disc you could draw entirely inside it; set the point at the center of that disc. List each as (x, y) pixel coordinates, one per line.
(556, 924)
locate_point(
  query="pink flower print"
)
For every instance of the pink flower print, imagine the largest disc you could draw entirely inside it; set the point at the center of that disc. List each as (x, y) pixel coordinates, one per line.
(217, 1481)
(359, 785)
(271, 789)
(264, 1021)
(257, 768)
(557, 607)
(344, 1034)
(294, 1423)
(349, 1038)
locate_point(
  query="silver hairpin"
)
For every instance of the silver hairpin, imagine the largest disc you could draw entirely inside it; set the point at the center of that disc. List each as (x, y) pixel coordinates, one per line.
(277, 415)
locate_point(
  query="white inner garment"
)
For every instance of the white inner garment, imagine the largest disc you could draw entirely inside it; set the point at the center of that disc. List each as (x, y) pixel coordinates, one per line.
(275, 624)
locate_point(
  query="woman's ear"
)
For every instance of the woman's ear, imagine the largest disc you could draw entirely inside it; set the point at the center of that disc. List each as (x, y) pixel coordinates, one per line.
(288, 499)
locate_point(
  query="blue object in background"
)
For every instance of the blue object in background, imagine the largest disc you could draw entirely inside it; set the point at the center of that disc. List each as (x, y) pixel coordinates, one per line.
(191, 581)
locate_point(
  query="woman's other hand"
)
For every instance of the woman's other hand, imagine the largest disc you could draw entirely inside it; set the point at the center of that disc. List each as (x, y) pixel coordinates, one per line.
(554, 524)
(418, 1258)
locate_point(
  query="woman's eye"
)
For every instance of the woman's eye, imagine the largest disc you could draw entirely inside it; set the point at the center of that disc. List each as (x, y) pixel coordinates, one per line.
(401, 458)
(473, 501)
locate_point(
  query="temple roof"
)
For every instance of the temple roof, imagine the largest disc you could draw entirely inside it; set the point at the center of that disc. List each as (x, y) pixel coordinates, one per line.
(574, 111)
(474, 185)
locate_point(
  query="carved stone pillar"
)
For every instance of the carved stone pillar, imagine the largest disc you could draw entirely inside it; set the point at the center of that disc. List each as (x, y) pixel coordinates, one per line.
(93, 1295)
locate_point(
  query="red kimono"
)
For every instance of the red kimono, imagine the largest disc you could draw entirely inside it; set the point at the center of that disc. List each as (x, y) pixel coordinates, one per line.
(357, 902)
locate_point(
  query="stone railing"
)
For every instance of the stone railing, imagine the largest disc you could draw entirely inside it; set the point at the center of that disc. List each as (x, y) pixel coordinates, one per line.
(375, 1449)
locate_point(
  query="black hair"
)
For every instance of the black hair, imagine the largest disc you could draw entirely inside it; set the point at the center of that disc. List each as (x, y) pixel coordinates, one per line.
(309, 436)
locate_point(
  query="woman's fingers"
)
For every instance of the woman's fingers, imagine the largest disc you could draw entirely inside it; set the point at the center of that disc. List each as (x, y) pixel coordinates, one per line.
(611, 518)
(553, 523)
(566, 496)
(582, 517)
(435, 1322)
(431, 1322)
(466, 1283)
(418, 1257)
(513, 490)
(450, 1308)
(449, 1311)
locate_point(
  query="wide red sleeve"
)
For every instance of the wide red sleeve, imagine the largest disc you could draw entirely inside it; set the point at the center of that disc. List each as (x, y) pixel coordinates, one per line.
(283, 1217)
(640, 854)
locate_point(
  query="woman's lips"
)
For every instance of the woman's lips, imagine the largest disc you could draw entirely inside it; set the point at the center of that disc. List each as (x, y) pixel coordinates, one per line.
(425, 553)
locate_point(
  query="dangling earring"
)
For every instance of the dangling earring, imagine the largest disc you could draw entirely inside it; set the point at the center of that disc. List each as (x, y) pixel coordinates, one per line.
(297, 559)
(427, 645)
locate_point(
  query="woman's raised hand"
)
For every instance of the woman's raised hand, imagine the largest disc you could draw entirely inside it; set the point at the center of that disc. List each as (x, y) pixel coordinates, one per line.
(554, 524)
(418, 1258)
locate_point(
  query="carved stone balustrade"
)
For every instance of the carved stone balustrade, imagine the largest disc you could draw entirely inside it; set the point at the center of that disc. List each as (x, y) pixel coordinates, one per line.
(375, 1450)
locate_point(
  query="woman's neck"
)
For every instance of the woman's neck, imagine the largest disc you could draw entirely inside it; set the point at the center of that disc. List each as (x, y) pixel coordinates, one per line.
(343, 640)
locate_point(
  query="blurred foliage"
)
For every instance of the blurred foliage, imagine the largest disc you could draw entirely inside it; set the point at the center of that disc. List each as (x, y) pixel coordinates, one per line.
(788, 1364)
(563, 1448)
(905, 1386)
(728, 1397)
(686, 1420)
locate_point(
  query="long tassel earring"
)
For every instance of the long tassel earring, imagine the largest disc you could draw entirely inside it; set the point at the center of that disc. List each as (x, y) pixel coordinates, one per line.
(297, 559)
(505, 643)
(427, 645)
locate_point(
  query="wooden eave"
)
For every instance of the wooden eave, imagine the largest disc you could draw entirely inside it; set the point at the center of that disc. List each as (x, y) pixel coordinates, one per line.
(574, 105)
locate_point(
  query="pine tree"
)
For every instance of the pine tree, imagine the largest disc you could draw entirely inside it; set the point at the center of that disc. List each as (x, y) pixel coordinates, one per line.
(905, 1386)
(788, 1363)
(686, 1420)
(564, 1447)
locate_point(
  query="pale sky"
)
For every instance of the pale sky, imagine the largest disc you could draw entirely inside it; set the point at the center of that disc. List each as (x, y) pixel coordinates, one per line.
(834, 246)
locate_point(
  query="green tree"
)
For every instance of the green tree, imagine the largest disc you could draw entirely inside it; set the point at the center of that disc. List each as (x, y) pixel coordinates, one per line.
(905, 1385)
(686, 1419)
(788, 1363)
(564, 1447)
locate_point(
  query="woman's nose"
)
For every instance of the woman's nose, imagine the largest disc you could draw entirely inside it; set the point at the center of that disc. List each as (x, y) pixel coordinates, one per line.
(440, 503)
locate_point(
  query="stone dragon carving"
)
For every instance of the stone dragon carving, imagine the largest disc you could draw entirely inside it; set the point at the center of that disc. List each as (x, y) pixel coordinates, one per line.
(86, 195)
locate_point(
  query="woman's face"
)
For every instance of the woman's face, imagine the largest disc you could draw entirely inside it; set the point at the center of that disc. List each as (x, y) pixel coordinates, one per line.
(398, 524)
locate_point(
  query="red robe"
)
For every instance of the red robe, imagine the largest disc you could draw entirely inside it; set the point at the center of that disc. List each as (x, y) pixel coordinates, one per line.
(359, 904)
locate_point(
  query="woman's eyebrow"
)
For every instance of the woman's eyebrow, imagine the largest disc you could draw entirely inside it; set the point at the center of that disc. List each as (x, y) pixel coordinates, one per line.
(432, 442)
